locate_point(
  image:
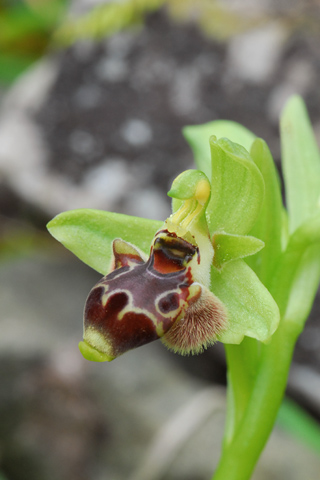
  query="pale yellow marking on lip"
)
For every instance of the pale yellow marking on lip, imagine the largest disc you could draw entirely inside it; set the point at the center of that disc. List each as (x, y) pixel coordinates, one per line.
(131, 308)
(96, 346)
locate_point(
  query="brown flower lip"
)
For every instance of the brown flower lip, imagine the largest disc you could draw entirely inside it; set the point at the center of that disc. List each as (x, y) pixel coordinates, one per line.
(139, 301)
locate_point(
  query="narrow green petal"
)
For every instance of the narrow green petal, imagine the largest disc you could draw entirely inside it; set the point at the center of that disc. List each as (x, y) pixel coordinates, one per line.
(232, 247)
(198, 138)
(268, 226)
(90, 233)
(237, 189)
(301, 163)
(252, 310)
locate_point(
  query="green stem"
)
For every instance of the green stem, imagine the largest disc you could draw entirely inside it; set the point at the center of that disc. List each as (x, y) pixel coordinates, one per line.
(240, 455)
(242, 361)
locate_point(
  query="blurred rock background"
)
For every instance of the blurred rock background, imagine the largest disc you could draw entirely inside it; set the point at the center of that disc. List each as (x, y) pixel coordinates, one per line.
(91, 116)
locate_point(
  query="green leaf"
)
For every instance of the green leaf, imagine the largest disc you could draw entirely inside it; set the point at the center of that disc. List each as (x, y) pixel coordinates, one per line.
(89, 234)
(237, 189)
(198, 138)
(304, 287)
(301, 163)
(252, 310)
(268, 226)
(299, 424)
(296, 276)
(232, 247)
(306, 234)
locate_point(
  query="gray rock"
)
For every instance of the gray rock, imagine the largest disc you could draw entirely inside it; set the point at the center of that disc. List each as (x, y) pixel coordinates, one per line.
(254, 56)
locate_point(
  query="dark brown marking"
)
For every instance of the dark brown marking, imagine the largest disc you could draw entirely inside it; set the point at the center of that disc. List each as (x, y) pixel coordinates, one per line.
(169, 303)
(94, 312)
(134, 330)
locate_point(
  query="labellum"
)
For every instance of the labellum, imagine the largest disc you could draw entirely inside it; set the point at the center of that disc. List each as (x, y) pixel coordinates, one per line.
(163, 296)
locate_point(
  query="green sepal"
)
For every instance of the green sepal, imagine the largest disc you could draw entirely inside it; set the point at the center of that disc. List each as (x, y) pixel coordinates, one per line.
(89, 234)
(237, 189)
(198, 138)
(229, 247)
(301, 163)
(251, 309)
(271, 221)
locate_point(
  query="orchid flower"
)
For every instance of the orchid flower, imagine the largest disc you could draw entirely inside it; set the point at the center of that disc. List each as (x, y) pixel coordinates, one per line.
(230, 264)
(183, 281)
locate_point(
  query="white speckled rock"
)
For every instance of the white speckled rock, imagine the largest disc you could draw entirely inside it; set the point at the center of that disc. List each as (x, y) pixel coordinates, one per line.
(253, 56)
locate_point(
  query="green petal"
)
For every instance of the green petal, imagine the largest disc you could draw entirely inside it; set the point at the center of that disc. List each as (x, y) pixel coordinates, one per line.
(237, 189)
(301, 163)
(252, 310)
(90, 233)
(232, 247)
(198, 138)
(268, 226)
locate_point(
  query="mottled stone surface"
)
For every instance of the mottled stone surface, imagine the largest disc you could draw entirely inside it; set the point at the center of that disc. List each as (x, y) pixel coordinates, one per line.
(99, 124)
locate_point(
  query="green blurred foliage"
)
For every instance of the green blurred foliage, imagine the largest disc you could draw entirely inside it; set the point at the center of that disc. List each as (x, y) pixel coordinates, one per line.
(19, 239)
(26, 29)
(105, 20)
(213, 18)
